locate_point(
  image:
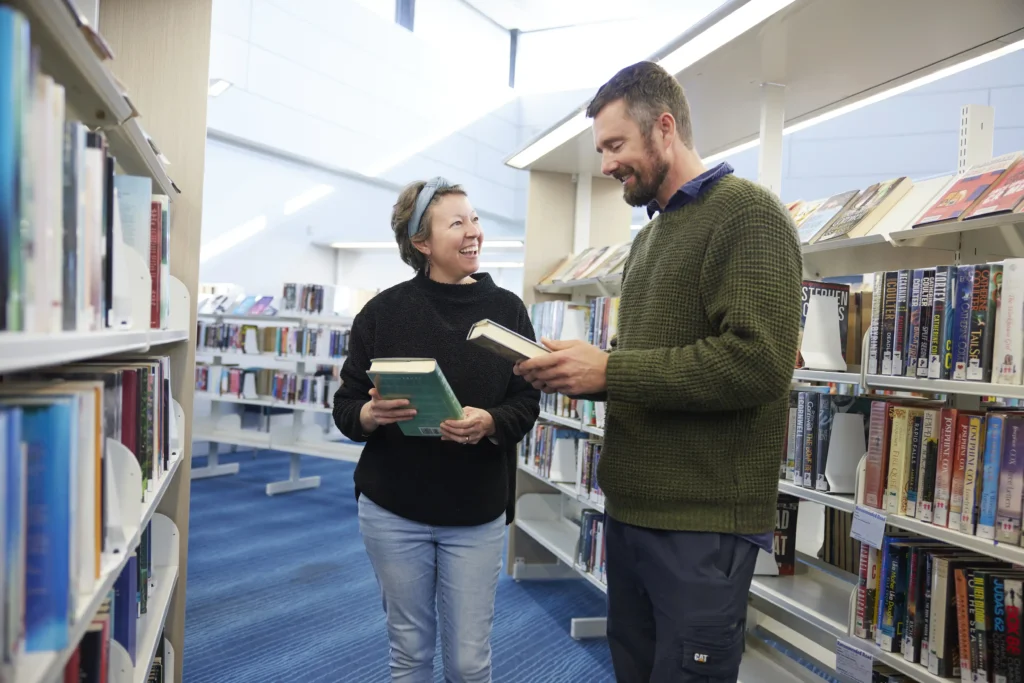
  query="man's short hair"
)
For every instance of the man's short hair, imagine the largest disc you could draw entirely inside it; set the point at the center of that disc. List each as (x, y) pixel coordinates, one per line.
(648, 91)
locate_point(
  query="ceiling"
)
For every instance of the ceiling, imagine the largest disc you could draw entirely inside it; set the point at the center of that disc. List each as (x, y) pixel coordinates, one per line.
(537, 15)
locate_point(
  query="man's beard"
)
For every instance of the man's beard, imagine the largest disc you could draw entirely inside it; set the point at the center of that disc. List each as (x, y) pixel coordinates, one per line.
(645, 185)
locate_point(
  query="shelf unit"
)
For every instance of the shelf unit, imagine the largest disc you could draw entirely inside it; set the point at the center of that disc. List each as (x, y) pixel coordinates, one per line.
(776, 74)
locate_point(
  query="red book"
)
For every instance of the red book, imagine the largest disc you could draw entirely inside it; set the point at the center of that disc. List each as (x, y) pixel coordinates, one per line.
(878, 454)
(1006, 196)
(967, 191)
(129, 410)
(944, 465)
(71, 669)
(956, 487)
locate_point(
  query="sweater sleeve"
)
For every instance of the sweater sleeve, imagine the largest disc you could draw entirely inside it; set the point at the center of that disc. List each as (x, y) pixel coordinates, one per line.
(355, 383)
(750, 290)
(515, 415)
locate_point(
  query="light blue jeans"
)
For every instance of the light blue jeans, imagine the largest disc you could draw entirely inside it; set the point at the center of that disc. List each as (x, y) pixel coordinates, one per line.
(419, 566)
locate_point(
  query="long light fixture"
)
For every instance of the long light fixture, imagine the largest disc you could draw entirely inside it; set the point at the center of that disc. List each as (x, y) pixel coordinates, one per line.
(303, 200)
(218, 86)
(501, 264)
(700, 46)
(491, 244)
(875, 98)
(232, 238)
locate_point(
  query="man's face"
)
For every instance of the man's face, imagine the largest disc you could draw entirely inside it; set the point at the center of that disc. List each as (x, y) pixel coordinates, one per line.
(627, 156)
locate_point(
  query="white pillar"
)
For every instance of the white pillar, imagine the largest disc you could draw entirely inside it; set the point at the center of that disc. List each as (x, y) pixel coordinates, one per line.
(773, 120)
(581, 217)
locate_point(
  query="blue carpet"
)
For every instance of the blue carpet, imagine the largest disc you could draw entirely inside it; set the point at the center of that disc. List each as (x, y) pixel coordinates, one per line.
(280, 589)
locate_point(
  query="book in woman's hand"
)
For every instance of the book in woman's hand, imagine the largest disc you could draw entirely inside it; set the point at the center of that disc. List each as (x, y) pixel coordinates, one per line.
(421, 382)
(504, 342)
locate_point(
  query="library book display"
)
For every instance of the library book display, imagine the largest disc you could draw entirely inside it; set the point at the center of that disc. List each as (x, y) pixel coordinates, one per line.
(98, 276)
(897, 535)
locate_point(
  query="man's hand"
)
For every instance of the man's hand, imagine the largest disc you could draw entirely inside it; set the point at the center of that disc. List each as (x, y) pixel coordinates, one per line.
(574, 368)
(476, 425)
(377, 412)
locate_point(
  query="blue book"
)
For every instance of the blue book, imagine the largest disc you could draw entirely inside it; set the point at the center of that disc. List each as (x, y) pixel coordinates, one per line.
(990, 477)
(885, 629)
(50, 432)
(14, 89)
(124, 613)
(962, 322)
(14, 534)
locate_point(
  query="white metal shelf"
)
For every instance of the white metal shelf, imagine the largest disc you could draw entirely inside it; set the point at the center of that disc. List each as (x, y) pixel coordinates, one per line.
(265, 402)
(813, 597)
(559, 537)
(946, 386)
(151, 624)
(565, 488)
(834, 377)
(571, 423)
(839, 501)
(45, 667)
(25, 351)
(307, 320)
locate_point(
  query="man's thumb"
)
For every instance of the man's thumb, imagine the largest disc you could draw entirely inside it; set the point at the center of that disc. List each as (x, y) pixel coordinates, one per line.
(555, 344)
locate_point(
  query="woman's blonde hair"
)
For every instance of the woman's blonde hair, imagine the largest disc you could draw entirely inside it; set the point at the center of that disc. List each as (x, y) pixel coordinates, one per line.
(401, 214)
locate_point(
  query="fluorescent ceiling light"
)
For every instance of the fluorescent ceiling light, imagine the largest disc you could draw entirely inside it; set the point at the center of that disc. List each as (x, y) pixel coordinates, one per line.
(703, 44)
(493, 244)
(501, 264)
(306, 198)
(232, 238)
(218, 86)
(875, 98)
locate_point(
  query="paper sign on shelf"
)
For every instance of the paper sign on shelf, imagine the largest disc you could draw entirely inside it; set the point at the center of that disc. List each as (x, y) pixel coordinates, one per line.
(853, 662)
(868, 526)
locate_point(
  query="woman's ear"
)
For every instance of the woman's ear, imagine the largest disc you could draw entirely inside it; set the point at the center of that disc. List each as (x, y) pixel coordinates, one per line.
(422, 247)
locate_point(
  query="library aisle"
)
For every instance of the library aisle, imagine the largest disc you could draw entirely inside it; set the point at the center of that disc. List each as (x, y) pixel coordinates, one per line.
(298, 563)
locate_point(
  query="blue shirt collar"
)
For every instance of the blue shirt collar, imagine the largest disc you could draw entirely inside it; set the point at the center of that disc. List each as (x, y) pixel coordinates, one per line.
(692, 189)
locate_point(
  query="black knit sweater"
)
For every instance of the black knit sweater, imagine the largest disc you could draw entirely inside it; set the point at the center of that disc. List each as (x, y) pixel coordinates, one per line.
(425, 479)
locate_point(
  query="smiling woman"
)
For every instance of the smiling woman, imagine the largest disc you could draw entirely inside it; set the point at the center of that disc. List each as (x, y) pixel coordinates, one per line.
(432, 509)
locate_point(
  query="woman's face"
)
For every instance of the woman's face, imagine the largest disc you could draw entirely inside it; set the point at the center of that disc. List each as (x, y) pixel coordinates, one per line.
(455, 238)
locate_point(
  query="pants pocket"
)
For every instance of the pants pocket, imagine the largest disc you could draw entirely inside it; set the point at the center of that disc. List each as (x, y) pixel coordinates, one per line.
(710, 652)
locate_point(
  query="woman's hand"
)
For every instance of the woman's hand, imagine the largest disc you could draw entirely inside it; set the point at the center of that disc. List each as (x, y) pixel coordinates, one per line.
(379, 412)
(476, 425)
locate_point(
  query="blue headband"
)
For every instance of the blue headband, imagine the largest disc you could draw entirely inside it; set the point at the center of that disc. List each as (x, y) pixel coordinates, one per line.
(423, 201)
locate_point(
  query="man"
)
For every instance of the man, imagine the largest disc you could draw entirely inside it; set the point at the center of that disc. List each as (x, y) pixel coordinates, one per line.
(696, 388)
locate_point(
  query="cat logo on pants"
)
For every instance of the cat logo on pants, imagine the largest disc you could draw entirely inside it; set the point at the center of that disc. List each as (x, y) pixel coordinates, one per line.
(699, 658)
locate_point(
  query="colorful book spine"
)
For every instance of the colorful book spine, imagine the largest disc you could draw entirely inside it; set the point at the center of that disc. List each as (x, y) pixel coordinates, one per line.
(936, 352)
(972, 473)
(993, 451)
(927, 307)
(914, 323)
(810, 438)
(825, 413)
(874, 359)
(928, 466)
(981, 318)
(908, 499)
(900, 327)
(888, 328)
(878, 455)
(995, 290)
(801, 436)
(1011, 482)
(1009, 339)
(1013, 601)
(956, 487)
(963, 313)
(944, 468)
(896, 478)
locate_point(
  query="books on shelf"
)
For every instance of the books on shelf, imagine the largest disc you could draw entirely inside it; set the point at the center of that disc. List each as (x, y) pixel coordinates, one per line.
(864, 212)
(551, 451)
(263, 384)
(808, 434)
(590, 549)
(421, 381)
(968, 191)
(319, 343)
(66, 217)
(309, 299)
(62, 524)
(817, 222)
(504, 342)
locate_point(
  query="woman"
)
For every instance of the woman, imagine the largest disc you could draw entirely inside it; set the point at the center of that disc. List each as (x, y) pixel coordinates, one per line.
(432, 511)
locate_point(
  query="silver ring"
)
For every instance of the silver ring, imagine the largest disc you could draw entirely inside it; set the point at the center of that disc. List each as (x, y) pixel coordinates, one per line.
(465, 441)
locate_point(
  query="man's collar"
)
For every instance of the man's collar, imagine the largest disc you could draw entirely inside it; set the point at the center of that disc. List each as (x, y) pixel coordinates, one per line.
(691, 189)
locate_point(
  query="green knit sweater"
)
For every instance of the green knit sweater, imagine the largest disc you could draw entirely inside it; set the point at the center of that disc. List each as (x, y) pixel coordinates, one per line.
(698, 380)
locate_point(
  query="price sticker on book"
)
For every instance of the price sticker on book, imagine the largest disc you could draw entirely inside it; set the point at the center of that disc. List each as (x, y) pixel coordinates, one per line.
(868, 526)
(853, 662)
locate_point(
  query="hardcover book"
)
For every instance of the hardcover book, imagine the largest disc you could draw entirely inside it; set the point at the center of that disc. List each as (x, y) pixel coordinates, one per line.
(963, 195)
(867, 209)
(421, 381)
(1006, 195)
(820, 219)
(504, 342)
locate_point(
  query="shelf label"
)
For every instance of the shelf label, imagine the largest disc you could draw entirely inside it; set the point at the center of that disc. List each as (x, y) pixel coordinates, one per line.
(853, 662)
(868, 526)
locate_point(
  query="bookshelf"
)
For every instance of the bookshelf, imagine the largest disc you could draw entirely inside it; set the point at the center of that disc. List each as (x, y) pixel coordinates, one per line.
(752, 78)
(152, 87)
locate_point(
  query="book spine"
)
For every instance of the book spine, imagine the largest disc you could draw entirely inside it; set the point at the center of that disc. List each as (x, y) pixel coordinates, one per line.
(965, 619)
(908, 650)
(997, 611)
(927, 629)
(888, 329)
(801, 437)
(885, 635)
(929, 462)
(938, 661)
(956, 487)
(791, 440)
(939, 312)
(810, 437)
(1011, 482)
(914, 323)
(155, 244)
(962, 322)
(979, 635)
(861, 616)
(975, 446)
(1010, 333)
(927, 308)
(874, 475)
(993, 449)
(900, 326)
(897, 448)
(980, 287)
(995, 289)
(1013, 603)
(876, 321)
(908, 499)
(825, 413)
(943, 470)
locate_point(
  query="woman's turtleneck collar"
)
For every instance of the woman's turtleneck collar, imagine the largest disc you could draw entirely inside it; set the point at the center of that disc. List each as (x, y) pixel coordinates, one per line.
(456, 292)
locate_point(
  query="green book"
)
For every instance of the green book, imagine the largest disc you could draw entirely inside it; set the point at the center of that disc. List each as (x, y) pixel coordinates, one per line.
(421, 381)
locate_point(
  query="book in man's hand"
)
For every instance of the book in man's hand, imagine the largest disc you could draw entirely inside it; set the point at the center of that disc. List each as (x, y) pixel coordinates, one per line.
(504, 342)
(421, 381)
